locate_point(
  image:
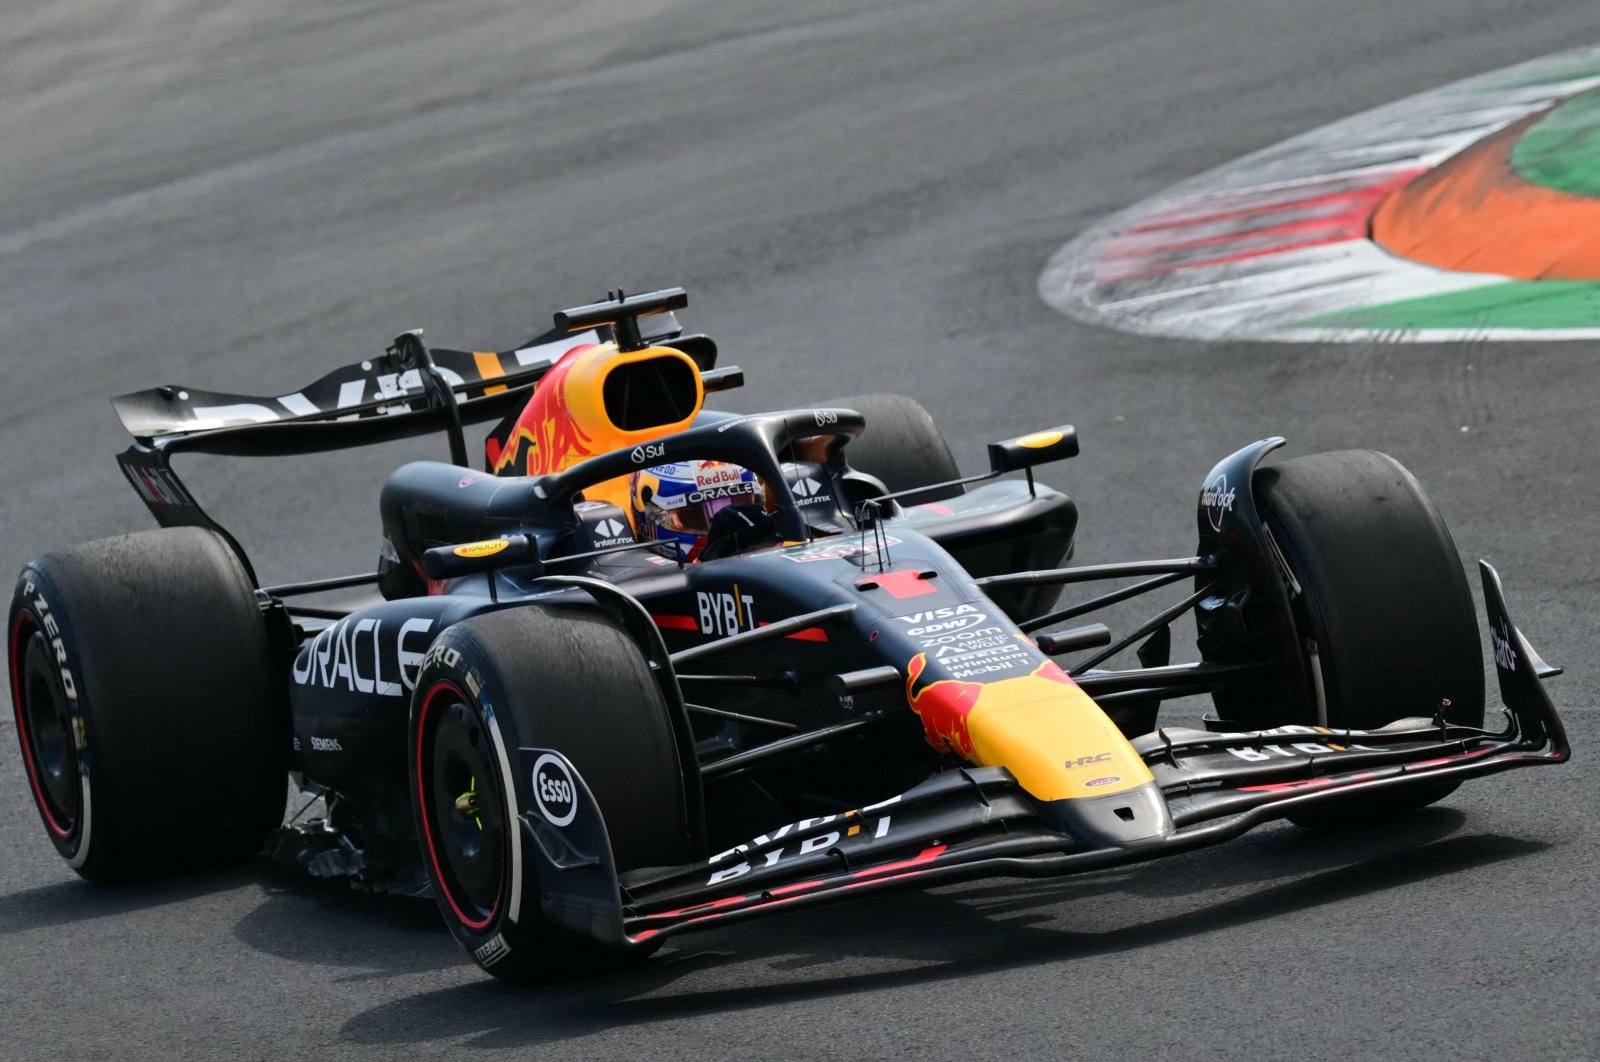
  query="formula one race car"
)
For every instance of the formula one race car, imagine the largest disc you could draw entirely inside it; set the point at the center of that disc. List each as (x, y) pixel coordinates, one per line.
(660, 668)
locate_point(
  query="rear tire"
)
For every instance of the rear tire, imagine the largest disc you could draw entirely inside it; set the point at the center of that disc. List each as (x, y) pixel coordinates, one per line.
(151, 710)
(566, 678)
(1383, 597)
(901, 446)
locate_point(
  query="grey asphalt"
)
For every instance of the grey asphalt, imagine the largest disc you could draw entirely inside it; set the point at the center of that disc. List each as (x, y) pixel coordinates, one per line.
(858, 197)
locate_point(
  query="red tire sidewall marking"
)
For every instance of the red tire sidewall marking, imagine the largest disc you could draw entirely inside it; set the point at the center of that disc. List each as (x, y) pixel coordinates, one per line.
(26, 617)
(476, 925)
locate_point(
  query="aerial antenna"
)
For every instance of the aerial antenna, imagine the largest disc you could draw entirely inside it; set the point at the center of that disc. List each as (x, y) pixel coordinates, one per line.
(622, 314)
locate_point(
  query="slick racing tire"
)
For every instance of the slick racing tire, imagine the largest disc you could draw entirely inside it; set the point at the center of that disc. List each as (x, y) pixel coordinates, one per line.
(563, 678)
(1383, 597)
(900, 446)
(150, 707)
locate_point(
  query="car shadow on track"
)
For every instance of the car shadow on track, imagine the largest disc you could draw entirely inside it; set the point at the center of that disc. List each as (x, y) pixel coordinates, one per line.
(958, 932)
(330, 924)
(73, 900)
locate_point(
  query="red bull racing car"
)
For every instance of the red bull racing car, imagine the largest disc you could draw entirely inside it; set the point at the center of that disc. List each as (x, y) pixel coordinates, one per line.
(659, 668)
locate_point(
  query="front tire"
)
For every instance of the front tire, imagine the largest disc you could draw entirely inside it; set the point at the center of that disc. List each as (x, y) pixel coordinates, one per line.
(150, 708)
(1383, 598)
(566, 678)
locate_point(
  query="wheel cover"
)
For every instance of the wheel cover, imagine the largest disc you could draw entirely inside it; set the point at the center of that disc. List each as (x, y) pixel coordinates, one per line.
(45, 728)
(462, 805)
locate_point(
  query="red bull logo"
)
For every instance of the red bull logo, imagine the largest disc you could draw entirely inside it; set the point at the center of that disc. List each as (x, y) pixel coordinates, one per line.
(1037, 723)
(943, 706)
(546, 437)
(567, 419)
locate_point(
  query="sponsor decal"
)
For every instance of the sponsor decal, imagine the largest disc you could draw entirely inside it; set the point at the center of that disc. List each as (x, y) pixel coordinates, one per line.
(647, 452)
(723, 614)
(943, 706)
(1110, 779)
(1040, 439)
(58, 647)
(364, 655)
(726, 490)
(158, 486)
(1010, 656)
(546, 437)
(611, 528)
(985, 651)
(935, 510)
(387, 552)
(1084, 761)
(860, 827)
(322, 744)
(554, 791)
(469, 479)
(808, 488)
(492, 952)
(1505, 657)
(943, 620)
(481, 549)
(1291, 750)
(444, 656)
(399, 386)
(834, 549)
(825, 418)
(713, 475)
(1217, 500)
(746, 419)
(704, 494)
(948, 642)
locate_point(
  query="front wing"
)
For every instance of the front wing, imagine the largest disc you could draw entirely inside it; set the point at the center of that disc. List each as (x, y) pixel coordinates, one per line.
(978, 822)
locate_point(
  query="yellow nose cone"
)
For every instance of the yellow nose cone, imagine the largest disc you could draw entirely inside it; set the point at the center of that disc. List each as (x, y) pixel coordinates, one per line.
(1041, 727)
(1054, 739)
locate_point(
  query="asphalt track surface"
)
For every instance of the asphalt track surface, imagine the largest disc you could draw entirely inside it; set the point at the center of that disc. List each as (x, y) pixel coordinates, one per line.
(858, 197)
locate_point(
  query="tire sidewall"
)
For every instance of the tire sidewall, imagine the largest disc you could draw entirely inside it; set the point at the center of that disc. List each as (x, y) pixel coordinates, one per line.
(1427, 632)
(178, 714)
(563, 677)
(455, 666)
(1355, 660)
(38, 604)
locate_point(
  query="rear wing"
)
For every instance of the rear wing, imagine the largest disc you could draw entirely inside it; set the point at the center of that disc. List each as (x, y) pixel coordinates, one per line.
(406, 392)
(345, 403)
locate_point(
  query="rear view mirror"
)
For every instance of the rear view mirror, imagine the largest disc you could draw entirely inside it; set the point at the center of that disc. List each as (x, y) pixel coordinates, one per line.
(1039, 448)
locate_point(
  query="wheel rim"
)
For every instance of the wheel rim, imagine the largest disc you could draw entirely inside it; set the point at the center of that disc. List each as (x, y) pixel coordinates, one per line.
(463, 809)
(44, 726)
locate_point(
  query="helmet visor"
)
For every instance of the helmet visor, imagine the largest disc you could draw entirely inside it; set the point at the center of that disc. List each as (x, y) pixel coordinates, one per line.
(691, 513)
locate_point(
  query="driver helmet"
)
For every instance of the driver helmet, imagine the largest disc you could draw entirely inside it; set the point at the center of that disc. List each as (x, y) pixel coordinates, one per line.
(675, 503)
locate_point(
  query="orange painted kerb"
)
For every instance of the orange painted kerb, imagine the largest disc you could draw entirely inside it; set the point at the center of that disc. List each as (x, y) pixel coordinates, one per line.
(1475, 214)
